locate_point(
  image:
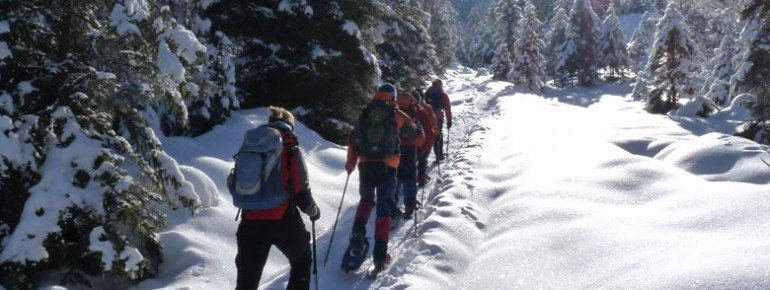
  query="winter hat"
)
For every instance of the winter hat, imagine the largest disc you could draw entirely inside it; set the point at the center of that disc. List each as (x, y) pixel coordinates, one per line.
(281, 114)
(388, 88)
(404, 100)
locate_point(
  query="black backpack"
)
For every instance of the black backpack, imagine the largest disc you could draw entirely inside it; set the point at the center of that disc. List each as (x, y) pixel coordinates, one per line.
(433, 96)
(378, 131)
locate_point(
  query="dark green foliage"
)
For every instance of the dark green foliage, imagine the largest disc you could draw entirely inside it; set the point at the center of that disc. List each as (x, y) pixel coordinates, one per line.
(276, 62)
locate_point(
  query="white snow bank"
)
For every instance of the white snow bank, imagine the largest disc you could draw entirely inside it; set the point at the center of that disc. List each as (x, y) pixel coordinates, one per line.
(4, 27)
(720, 157)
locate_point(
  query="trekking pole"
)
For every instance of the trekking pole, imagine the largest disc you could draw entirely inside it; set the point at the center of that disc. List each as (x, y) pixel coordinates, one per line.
(448, 129)
(334, 229)
(315, 259)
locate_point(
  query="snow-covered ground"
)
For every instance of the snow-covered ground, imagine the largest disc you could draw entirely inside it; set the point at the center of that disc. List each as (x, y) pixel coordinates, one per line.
(576, 189)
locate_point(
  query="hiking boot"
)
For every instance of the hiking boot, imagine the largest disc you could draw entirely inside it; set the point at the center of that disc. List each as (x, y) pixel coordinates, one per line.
(356, 253)
(408, 212)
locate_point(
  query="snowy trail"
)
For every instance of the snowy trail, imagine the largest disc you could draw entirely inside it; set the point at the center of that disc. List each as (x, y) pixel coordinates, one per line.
(579, 189)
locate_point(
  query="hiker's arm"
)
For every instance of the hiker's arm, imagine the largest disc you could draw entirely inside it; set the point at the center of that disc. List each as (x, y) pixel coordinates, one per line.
(447, 107)
(303, 196)
(352, 160)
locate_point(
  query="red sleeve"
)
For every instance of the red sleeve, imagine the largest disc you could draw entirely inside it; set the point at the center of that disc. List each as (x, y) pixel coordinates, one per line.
(447, 107)
(352, 154)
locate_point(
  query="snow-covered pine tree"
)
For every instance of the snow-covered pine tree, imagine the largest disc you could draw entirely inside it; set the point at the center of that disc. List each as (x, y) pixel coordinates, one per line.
(87, 172)
(528, 66)
(754, 68)
(583, 35)
(717, 86)
(612, 48)
(507, 15)
(673, 61)
(641, 41)
(478, 39)
(407, 55)
(291, 52)
(443, 32)
(559, 48)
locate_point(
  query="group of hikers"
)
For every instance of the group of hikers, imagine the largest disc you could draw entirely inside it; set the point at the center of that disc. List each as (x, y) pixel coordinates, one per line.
(389, 145)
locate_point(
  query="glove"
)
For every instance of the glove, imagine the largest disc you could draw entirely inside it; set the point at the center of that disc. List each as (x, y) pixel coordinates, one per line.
(350, 167)
(449, 123)
(313, 213)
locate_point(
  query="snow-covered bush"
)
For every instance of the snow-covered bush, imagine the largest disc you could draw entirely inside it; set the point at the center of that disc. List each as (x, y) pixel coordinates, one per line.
(82, 173)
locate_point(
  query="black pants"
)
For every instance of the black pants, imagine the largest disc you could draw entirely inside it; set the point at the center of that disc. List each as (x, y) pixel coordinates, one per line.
(254, 241)
(438, 145)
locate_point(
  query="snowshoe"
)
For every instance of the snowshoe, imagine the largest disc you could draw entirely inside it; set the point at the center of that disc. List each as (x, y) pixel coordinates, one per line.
(356, 253)
(377, 268)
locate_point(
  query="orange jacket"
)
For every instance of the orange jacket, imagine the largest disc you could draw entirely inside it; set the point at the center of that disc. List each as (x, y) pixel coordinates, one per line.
(431, 128)
(405, 126)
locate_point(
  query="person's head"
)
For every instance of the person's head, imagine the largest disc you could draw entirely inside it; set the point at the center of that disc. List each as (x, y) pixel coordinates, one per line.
(388, 88)
(282, 115)
(438, 83)
(405, 100)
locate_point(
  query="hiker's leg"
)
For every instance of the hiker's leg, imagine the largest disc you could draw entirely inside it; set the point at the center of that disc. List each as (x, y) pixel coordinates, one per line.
(253, 250)
(385, 206)
(365, 205)
(294, 242)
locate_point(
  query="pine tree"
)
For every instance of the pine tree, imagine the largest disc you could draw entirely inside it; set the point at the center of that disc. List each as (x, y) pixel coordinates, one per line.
(507, 15)
(612, 49)
(673, 61)
(443, 32)
(584, 36)
(753, 73)
(291, 52)
(717, 86)
(641, 41)
(528, 62)
(477, 39)
(88, 82)
(407, 55)
(560, 48)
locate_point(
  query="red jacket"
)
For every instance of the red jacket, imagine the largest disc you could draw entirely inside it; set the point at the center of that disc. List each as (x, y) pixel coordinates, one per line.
(294, 180)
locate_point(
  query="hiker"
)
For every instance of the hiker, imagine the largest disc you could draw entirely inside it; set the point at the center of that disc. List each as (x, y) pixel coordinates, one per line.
(273, 221)
(374, 148)
(407, 169)
(438, 99)
(432, 129)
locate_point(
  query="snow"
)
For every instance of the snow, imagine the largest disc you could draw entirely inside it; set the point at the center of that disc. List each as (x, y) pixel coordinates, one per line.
(4, 27)
(187, 45)
(616, 198)
(105, 75)
(122, 22)
(25, 88)
(5, 51)
(169, 63)
(55, 192)
(103, 247)
(351, 28)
